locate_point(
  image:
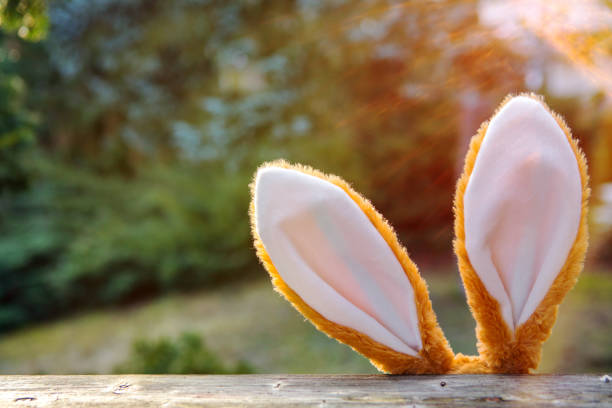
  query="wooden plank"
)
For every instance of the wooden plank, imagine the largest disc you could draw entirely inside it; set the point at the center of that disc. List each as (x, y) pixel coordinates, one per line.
(305, 391)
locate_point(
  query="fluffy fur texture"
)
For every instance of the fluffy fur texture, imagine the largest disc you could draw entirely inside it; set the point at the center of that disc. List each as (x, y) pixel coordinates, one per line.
(435, 356)
(501, 351)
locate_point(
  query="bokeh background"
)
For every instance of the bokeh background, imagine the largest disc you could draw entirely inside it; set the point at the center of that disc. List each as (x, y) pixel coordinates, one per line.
(130, 130)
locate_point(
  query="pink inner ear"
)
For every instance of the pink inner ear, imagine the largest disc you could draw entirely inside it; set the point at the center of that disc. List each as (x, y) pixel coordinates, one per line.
(522, 207)
(324, 260)
(327, 250)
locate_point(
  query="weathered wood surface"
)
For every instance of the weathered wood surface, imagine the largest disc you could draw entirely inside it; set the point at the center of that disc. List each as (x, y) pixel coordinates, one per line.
(305, 390)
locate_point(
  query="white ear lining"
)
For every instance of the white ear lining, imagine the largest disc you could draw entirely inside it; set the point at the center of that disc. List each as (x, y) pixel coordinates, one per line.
(522, 207)
(327, 250)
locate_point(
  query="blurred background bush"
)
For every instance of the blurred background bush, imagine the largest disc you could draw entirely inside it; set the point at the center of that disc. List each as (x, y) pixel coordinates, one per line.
(130, 130)
(187, 355)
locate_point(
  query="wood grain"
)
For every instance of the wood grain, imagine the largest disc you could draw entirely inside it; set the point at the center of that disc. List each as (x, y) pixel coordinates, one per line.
(304, 391)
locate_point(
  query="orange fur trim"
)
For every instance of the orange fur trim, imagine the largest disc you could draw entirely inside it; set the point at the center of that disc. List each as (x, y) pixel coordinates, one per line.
(502, 350)
(435, 356)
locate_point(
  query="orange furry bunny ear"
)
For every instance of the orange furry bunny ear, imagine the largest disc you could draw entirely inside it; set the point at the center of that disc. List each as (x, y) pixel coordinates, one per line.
(340, 264)
(521, 229)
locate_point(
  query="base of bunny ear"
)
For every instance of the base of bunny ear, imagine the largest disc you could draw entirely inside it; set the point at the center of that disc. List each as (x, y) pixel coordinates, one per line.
(382, 357)
(502, 350)
(469, 365)
(436, 355)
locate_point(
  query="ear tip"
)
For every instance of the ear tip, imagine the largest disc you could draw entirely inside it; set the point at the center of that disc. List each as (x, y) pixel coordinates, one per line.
(267, 175)
(524, 105)
(524, 112)
(277, 183)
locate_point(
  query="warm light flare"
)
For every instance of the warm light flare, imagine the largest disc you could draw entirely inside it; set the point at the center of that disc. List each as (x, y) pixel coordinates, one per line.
(581, 31)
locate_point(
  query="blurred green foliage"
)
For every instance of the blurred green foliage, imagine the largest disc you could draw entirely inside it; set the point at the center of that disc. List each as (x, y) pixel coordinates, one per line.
(186, 355)
(27, 20)
(78, 239)
(589, 338)
(129, 131)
